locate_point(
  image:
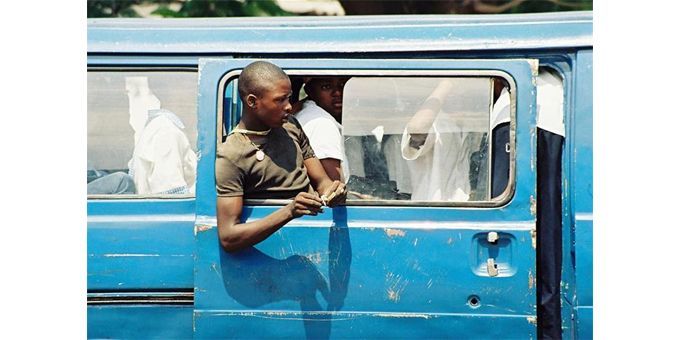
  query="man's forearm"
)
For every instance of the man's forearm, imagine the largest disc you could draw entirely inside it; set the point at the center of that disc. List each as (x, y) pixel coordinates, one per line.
(243, 235)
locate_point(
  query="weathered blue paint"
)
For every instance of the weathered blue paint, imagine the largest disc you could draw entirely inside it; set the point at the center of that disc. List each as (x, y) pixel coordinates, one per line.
(366, 260)
(139, 322)
(341, 34)
(582, 188)
(140, 244)
(166, 227)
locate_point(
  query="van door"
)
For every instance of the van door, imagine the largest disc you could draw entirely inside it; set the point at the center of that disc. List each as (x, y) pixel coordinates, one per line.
(377, 267)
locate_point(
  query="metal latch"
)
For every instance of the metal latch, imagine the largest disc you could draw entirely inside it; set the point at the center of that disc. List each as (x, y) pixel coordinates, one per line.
(492, 237)
(491, 267)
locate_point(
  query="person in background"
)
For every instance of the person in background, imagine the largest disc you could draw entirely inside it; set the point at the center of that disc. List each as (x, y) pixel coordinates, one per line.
(320, 115)
(437, 151)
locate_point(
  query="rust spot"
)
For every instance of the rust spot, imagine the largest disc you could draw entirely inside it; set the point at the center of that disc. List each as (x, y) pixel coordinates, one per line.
(394, 232)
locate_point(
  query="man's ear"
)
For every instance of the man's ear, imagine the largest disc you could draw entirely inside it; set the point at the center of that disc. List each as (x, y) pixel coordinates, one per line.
(251, 101)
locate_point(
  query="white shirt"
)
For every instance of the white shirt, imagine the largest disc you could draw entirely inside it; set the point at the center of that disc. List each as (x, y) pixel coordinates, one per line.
(324, 134)
(500, 112)
(440, 167)
(163, 161)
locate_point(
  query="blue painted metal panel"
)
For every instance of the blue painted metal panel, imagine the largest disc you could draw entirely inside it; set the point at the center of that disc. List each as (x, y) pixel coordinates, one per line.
(582, 187)
(583, 134)
(140, 244)
(582, 180)
(370, 325)
(139, 322)
(584, 259)
(372, 260)
(370, 269)
(341, 34)
(584, 317)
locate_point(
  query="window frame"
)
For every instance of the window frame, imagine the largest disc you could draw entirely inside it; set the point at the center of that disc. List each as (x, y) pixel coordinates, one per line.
(499, 201)
(187, 69)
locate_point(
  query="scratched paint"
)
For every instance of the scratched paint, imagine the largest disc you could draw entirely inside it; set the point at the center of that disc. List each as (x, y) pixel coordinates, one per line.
(394, 232)
(395, 287)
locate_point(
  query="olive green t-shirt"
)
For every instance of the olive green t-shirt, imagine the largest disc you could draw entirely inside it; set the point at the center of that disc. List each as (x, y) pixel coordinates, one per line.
(280, 175)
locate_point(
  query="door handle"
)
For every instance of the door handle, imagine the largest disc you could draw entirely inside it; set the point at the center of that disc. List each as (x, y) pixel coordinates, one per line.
(491, 267)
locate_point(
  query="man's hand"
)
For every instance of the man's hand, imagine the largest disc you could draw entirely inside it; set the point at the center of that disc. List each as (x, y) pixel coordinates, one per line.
(305, 204)
(335, 194)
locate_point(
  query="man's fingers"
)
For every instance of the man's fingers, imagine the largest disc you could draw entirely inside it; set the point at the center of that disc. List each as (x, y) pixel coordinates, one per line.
(307, 195)
(308, 212)
(309, 202)
(338, 196)
(332, 188)
(310, 207)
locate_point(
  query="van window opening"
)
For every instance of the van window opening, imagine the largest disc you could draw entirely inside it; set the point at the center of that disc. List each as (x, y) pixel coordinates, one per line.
(470, 150)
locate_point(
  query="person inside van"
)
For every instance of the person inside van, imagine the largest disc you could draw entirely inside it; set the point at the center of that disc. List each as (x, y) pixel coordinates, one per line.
(320, 115)
(163, 161)
(437, 151)
(267, 155)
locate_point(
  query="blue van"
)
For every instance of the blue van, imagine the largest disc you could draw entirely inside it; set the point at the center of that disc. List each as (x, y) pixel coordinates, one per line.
(509, 255)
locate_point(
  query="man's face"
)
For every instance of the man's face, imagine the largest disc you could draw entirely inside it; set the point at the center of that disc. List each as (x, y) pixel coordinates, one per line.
(273, 107)
(327, 93)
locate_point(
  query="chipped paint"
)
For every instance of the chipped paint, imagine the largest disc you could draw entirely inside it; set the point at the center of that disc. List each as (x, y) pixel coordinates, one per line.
(395, 286)
(449, 241)
(199, 228)
(131, 255)
(531, 279)
(532, 205)
(392, 295)
(394, 232)
(533, 238)
(533, 63)
(314, 258)
(532, 320)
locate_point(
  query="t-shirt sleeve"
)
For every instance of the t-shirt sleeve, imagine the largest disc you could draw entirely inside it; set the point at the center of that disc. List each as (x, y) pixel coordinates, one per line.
(303, 141)
(229, 178)
(325, 138)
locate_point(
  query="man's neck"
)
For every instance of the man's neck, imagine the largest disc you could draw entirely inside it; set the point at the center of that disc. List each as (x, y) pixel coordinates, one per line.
(252, 124)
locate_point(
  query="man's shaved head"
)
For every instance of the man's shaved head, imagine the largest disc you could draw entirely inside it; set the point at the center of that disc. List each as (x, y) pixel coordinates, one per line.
(258, 77)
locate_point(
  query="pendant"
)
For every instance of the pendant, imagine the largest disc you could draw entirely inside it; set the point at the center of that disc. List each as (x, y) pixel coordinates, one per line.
(259, 155)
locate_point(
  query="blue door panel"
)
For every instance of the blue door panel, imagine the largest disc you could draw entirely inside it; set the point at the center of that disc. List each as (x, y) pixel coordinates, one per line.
(139, 322)
(372, 271)
(140, 244)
